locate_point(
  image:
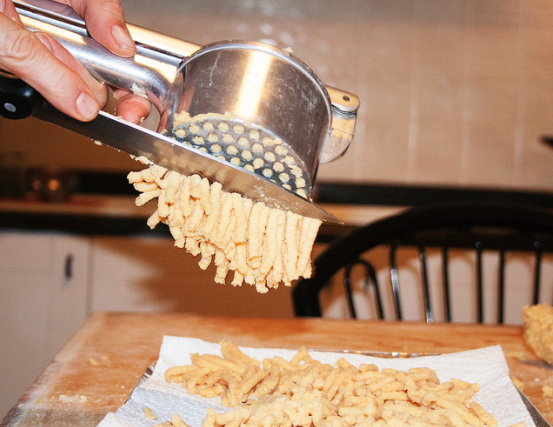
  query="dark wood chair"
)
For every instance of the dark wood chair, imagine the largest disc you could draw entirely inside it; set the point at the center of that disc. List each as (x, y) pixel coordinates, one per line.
(478, 227)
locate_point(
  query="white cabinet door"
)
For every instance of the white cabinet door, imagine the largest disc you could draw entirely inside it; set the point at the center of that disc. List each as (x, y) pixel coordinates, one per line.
(43, 279)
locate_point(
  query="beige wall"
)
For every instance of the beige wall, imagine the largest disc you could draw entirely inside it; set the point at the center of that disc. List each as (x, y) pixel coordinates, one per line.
(453, 91)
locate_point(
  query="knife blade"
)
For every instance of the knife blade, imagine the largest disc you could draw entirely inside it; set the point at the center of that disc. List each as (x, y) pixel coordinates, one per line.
(164, 151)
(538, 418)
(18, 101)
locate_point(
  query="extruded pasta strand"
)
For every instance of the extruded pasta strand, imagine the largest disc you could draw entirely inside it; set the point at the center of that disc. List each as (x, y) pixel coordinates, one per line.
(263, 246)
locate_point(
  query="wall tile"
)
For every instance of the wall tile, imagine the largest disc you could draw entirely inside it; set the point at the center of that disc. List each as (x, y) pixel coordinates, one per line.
(533, 158)
(537, 13)
(453, 92)
(537, 56)
(494, 12)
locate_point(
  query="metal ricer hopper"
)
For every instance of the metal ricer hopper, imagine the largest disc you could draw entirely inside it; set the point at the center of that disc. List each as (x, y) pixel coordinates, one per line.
(246, 114)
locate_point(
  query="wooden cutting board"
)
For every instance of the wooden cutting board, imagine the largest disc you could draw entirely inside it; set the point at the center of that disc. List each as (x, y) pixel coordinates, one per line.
(98, 368)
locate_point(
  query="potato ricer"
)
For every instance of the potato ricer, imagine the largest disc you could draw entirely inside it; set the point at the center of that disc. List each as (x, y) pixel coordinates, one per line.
(246, 114)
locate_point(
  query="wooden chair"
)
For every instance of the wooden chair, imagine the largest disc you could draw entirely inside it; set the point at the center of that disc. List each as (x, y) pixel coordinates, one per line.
(478, 227)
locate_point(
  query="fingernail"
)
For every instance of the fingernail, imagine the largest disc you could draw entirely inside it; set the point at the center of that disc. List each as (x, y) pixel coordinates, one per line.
(44, 39)
(2, 5)
(87, 107)
(122, 37)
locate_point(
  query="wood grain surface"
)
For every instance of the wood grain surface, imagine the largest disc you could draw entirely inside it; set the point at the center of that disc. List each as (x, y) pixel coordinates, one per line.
(97, 369)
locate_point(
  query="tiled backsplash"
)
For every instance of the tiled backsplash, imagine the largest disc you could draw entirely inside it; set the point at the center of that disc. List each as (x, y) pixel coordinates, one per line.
(453, 92)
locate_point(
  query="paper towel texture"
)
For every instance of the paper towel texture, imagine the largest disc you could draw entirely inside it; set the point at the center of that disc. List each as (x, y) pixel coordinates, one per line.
(486, 366)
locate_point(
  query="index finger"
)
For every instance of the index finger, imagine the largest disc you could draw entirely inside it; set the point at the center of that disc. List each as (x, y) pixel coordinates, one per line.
(105, 21)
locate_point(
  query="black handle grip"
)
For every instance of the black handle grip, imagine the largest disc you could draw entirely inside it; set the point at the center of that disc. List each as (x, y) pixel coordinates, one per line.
(18, 100)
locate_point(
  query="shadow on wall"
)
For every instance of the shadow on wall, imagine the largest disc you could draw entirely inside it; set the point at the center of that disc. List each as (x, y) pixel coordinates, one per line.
(149, 274)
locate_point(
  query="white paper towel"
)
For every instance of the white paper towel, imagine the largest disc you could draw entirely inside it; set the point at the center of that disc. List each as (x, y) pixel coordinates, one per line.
(486, 366)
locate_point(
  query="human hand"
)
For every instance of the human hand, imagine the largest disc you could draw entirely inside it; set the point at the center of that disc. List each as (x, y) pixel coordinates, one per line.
(43, 63)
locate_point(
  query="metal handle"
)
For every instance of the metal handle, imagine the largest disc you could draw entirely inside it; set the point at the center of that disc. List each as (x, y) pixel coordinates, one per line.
(68, 268)
(344, 117)
(64, 15)
(153, 71)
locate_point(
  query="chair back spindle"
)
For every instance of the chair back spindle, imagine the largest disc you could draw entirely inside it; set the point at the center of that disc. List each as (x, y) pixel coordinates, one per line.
(445, 281)
(484, 227)
(370, 282)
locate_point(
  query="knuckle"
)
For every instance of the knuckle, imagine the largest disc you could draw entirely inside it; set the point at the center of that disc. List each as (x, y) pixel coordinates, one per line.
(115, 4)
(19, 46)
(113, 7)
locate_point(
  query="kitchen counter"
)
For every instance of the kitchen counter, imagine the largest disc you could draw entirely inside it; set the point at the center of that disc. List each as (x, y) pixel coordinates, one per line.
(118, 215)
(98, 368)
(82, 215)
(104, 204)
(99, 205)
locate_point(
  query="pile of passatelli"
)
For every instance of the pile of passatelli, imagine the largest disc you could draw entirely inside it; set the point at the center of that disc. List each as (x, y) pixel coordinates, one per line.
(538, 330)
(303, 392)
(262, 245)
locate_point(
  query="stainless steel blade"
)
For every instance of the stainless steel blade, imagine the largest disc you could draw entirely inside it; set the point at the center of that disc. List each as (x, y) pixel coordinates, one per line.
(381, 354)
(538, 418)
(167, 152)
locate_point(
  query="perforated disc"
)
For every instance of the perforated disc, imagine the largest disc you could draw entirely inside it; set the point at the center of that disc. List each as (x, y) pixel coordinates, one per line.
(248, 146)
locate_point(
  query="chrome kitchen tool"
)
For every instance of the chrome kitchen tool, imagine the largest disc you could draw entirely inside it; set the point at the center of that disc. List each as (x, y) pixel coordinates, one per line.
(246, 114)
